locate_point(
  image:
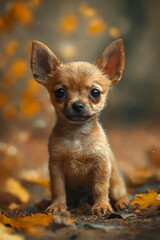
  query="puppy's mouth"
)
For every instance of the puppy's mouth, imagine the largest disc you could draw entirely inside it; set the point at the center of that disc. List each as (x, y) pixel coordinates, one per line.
(78, 117)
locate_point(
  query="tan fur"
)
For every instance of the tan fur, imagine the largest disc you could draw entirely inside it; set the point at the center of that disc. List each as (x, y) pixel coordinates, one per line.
(79, 153)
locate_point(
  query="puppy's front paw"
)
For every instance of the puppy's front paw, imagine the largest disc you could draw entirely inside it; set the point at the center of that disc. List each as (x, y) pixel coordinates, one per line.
(55, 209)
(122, 203)
(101, 208)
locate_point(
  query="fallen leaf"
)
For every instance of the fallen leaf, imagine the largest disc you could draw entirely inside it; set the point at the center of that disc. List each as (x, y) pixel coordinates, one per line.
(33, 87)
(86, 207)
(86, 10)
(9, 111)
(7, 81)
(22, 13)
(7, 233)
(19, 68)
(121, 215)
(10, 162)
(67, 51)
(96, 26)
(27, 223)
(3, 99)
(114, 32)
(16, 189)
(34, 3)
(146, 199)
(11, 47)
(39, 176)
(68, 24)
(29, 105)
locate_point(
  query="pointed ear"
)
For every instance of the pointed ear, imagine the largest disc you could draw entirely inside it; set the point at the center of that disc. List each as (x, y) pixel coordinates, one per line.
(43, 62)
(112, 61)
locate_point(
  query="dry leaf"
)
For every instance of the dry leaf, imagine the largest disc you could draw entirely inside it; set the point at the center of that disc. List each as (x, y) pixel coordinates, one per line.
(34, 3)
(39, 176)
(96, 26)
(86, 207)
(19, 68)
(16, 189)
(3, 99)
(68, 24)
(6, 233)
(34, 177)
(11, 47)
(29, 105)
(22, 13)
(3, 61)
(7, 21)
(27, 223)
(67, 51)
(86, 10)
(33, 87)
(9, 111)
(7, 81)
(146, 199)
(114, 32)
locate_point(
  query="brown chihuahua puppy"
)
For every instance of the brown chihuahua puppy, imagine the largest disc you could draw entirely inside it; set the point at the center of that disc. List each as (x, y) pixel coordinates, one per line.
(79, 152)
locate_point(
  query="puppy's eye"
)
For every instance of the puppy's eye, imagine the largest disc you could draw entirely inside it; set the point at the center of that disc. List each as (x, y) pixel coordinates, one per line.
(95, 93)
(60, 93)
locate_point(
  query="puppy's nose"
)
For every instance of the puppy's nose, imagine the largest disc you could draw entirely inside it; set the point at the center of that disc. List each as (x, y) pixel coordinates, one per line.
(78, 107)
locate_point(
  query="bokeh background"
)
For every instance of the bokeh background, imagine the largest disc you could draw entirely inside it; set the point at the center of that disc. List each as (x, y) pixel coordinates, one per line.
(79, 31)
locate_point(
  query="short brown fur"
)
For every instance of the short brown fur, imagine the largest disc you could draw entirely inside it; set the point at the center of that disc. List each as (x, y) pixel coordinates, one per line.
(79, 152)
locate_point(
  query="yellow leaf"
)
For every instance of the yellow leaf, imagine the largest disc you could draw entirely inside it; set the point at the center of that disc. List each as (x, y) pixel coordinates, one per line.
(96, 26)
(68, 23)
(27, 223)
(3, 99)
(16, 189)
(34, 177)
(146, 199)
(114, 32)
(22, 12)
(11, 47)
(19, 68)
(86, 10)
(6, 233)
(33, 87)
(29, 105)
(7, 81)
(34, 3)
(2, 23)
(9, 111)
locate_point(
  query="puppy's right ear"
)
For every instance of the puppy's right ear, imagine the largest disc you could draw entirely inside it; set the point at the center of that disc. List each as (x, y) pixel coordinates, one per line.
(43, 62)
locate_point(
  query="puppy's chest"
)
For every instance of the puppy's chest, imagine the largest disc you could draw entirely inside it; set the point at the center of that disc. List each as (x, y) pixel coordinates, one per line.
(80, 155)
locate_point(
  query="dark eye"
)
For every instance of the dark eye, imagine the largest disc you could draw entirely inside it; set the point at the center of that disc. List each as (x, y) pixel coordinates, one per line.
(95, 93)
(60, 93)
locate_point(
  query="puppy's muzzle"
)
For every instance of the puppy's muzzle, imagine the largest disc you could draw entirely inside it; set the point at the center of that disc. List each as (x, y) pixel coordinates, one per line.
(77, 112)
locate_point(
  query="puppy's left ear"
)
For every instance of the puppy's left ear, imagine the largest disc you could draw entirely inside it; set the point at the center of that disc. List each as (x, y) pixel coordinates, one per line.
(112, 61)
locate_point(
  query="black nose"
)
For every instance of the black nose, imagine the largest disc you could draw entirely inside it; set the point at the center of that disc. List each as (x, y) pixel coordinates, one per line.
(78, 107)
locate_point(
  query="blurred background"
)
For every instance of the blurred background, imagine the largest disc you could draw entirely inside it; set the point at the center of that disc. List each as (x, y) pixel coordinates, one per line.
(79, 31)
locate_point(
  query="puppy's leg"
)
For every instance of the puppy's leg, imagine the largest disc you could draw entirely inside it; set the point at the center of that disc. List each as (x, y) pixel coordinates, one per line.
(100, 188)
(58, 203)
(118, 187)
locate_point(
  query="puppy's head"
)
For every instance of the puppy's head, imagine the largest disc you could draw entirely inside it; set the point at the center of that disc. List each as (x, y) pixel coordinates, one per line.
(78, 89)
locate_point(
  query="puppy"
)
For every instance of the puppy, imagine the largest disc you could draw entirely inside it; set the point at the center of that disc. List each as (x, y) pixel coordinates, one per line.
(79, 152)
